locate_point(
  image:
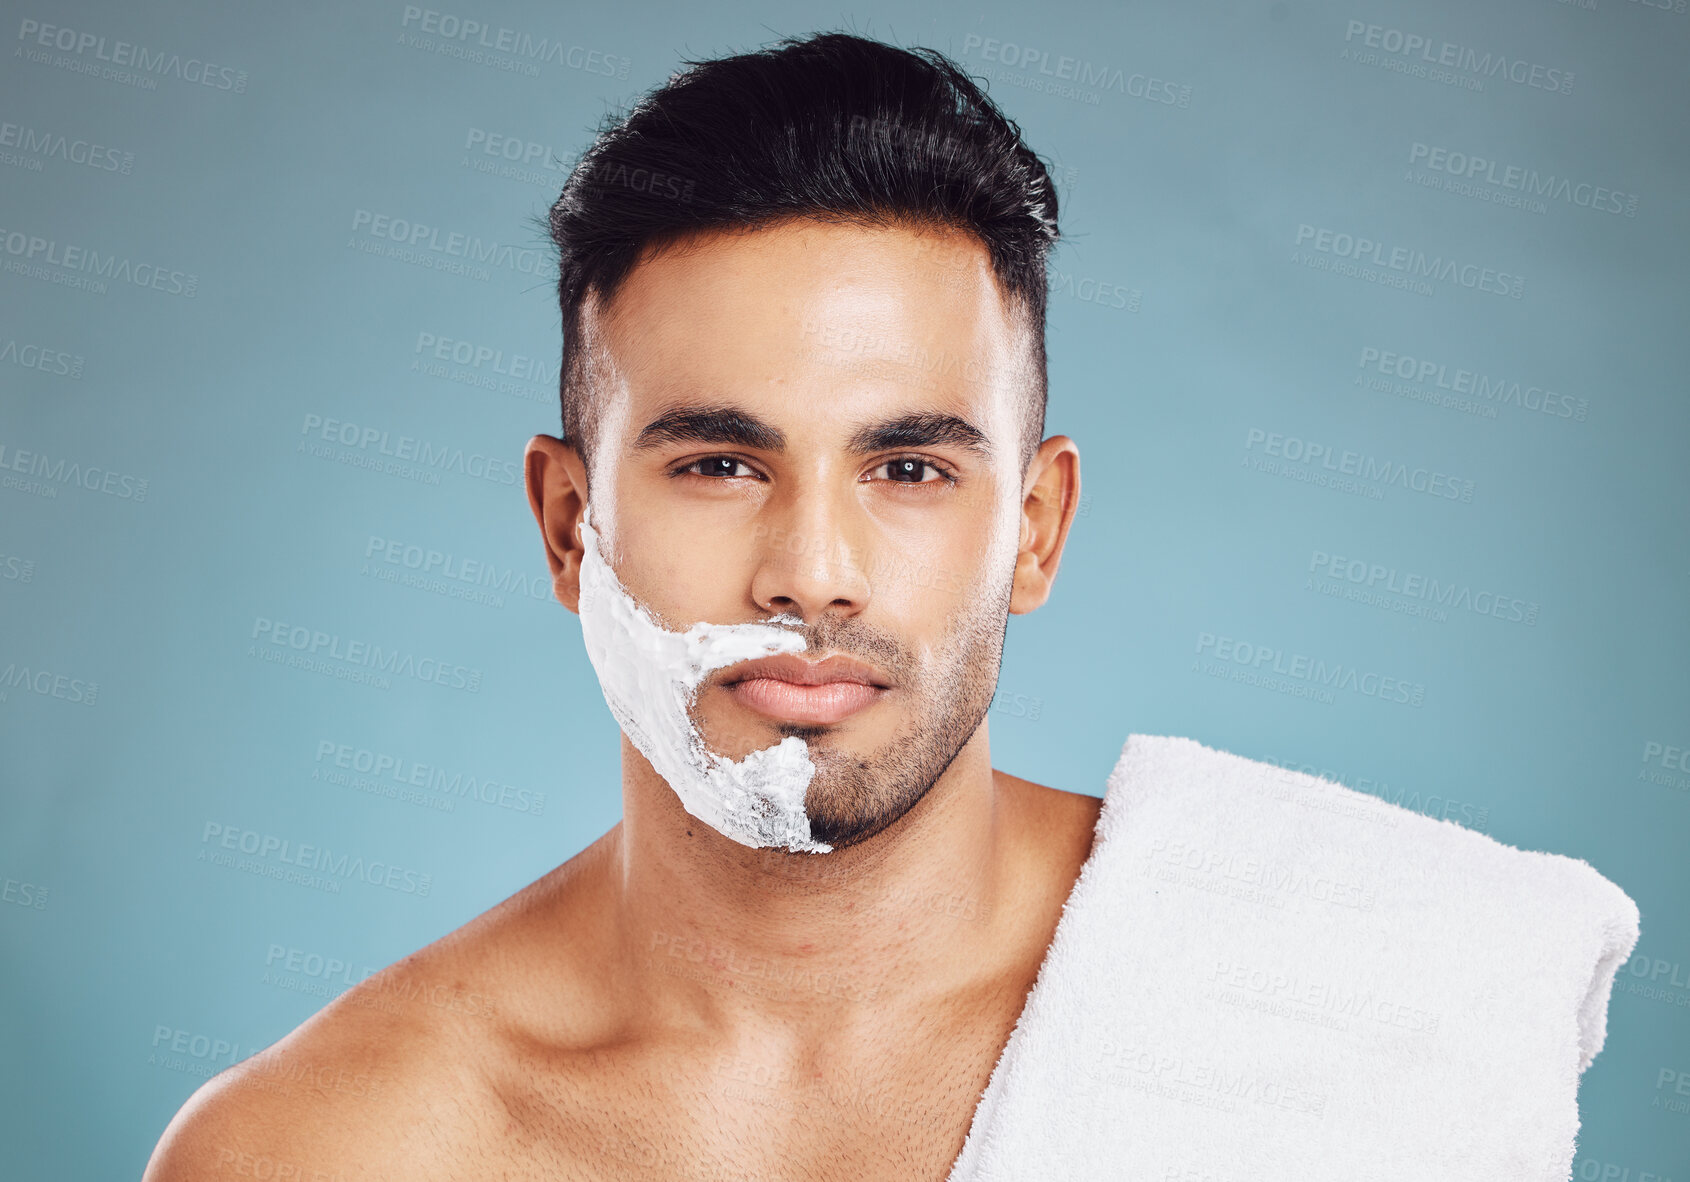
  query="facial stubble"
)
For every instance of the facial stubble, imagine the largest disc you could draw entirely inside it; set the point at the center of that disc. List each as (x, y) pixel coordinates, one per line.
(853, 796)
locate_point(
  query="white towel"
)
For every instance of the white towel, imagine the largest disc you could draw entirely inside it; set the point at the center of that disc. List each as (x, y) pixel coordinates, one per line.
(1262, 975)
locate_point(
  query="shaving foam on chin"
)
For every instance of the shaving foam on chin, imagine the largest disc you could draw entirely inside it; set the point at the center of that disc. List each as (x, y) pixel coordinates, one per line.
(650, 678)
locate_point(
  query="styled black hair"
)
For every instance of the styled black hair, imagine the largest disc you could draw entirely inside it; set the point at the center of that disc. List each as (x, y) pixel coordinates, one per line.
(835, 127)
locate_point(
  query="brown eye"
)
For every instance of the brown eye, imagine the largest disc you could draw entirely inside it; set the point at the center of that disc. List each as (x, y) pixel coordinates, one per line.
(717, 466)
(910, 470)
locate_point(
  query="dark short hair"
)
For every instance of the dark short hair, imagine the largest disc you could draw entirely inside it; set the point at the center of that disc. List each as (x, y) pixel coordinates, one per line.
(835, 127)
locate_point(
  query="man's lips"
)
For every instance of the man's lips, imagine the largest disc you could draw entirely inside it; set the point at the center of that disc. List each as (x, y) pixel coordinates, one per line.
(788, 688)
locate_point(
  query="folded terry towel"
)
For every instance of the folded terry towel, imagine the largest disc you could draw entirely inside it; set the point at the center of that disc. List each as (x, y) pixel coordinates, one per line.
(1263, 975)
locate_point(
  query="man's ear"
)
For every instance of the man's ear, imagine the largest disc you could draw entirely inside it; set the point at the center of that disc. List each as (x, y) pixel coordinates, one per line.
(1047, 510)
(557, 492)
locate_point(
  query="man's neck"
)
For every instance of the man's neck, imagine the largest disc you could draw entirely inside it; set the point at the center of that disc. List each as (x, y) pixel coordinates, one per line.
(946, 900)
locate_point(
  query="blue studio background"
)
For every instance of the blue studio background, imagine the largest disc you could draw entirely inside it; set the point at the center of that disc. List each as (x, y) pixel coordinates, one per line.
(1369, 321)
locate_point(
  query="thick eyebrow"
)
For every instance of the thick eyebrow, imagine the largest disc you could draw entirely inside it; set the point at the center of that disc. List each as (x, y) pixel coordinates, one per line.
(731, 426)
(727, 425)
(921, 429)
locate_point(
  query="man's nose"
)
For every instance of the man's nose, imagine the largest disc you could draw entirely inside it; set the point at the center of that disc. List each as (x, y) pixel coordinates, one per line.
(810, 560)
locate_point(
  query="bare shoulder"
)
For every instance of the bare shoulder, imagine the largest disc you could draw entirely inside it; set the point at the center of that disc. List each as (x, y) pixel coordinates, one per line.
(389, 1078)
(346, 1092)
(397, 1077)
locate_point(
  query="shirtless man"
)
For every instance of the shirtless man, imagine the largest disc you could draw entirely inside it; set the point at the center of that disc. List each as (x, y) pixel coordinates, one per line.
(827, 421)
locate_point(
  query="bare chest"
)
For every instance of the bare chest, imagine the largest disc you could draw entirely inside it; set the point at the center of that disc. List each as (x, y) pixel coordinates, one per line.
(902, 1113)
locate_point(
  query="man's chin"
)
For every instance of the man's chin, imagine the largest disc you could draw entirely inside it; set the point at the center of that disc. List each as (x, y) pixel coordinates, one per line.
(845, 823)
(843, 833)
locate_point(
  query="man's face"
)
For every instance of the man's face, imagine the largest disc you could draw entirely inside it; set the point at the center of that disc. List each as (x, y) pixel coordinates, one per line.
(822, 421)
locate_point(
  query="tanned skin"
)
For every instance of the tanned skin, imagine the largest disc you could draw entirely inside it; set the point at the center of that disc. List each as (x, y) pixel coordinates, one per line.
(669, 1003)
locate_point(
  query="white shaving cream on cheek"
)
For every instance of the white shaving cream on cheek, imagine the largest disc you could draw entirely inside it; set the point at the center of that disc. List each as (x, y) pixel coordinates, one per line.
(650, 678)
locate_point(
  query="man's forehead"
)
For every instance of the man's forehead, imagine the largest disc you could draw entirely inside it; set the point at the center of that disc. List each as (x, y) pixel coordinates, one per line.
(850, 322)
